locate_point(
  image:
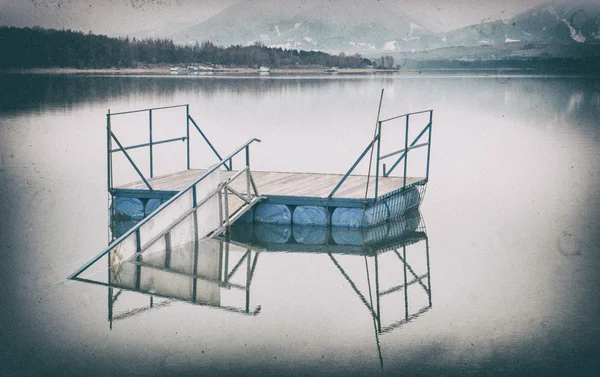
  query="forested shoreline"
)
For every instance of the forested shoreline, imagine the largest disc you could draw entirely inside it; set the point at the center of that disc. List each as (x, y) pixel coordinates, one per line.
(48, 48)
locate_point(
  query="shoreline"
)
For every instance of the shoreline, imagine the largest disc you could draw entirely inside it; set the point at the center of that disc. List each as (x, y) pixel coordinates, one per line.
(183, 71)
(242, 71)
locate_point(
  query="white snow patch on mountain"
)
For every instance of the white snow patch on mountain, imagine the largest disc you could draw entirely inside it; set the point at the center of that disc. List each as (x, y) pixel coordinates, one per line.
(577, 37)
(310, 40)
(277, 30)
(509, 40)
(389, 46)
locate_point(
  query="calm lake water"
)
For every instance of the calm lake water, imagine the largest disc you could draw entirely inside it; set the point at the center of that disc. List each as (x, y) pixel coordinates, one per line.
(511, 212)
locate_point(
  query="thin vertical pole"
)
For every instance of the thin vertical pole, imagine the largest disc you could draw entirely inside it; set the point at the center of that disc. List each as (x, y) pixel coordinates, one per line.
(406, 151)
(428, 270)
(405, 284)
(378, 154)
(220, 276)
(377, 293)
(226, 263)
(108, 152)
(196, 252)
(226, 205)
(138, 268)
(429, 143)
(168, 250)
(248, 173)
(150, 140)
(187, 125)
(110, 296)
(248, 274)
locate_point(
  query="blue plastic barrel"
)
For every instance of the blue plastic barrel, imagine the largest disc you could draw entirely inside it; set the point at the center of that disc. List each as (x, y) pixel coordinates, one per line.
(131, 208)
(311, 215)
(272, 214)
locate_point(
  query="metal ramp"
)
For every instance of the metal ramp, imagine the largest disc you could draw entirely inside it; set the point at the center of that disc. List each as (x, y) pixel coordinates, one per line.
(205, 208)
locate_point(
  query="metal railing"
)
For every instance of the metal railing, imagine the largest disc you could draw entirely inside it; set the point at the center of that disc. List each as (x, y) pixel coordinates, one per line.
(111, 137)
(376, 143)
(222, 192)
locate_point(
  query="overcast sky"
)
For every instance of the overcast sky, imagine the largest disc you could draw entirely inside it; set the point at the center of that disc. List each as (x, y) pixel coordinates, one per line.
(126, 16)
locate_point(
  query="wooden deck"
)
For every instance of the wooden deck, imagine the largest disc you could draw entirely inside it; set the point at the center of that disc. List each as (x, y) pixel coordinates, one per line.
(310, 185)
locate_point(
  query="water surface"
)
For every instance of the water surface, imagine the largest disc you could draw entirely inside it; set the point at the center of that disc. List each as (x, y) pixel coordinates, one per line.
(511, 214)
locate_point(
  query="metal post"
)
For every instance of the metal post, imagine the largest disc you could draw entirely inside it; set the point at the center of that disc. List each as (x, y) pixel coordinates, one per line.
(406, 149)
(405, 283)
(429, 142)
(248, 173)
(377, 293)
(226, 262)
(196, 252)
(187, 126)
(138, 268)
(428, 270)
(150, 141)
(248, 274)
(220, 204)
(194, 200)
(108, 152)
(378, 154)
(226, 205)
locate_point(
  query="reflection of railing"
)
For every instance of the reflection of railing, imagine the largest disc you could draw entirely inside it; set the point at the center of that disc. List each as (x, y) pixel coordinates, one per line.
(376, 142)
(377, 293)
(110, 137)
(178, 210)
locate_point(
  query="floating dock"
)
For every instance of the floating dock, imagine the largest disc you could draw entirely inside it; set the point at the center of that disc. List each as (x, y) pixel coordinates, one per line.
(281, 197)
(164, 213)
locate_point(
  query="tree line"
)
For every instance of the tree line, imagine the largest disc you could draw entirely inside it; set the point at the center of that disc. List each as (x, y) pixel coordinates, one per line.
(41, 48)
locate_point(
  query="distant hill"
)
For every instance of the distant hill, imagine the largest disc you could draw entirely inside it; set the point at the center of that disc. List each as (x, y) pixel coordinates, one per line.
(372, 29)
(564, 23)
(331, 26)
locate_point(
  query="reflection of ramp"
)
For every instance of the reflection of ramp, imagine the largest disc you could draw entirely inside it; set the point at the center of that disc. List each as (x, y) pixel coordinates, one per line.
(206, 207)
(205, 273)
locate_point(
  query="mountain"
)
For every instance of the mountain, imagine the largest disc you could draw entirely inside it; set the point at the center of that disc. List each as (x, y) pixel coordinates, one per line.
(310, 25)
(373, 28)
(561, 23)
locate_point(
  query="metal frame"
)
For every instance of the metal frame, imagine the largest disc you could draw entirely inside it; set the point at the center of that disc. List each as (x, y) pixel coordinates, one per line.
(110, 137)
(222, 187)
(376, 143)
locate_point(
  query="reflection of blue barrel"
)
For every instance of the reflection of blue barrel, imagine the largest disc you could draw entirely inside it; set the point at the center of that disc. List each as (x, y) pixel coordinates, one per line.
(310, 234)
(272, 214)
(272, 233)
(131, 208)
(152, 205)
(407, 223)
(380, 233)
(356, 237)
(311, 215)
(121, 227)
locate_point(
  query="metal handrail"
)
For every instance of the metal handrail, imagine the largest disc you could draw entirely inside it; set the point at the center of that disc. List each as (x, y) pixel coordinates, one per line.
(151, 143)
(136, 228)
(376, 142)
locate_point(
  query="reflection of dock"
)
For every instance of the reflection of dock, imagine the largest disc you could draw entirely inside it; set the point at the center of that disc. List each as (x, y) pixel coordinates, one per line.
(218, 273)
(407, 230)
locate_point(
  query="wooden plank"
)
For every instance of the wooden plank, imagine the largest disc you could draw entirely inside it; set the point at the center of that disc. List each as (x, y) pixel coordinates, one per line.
(283, 183)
